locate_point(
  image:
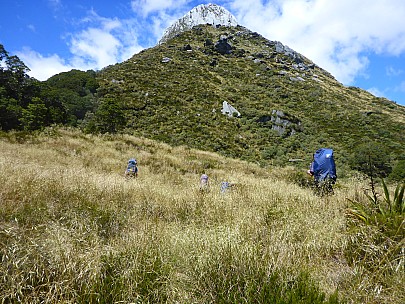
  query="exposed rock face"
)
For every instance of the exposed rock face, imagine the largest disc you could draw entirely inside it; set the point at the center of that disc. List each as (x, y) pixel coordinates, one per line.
(280, 48)
(201, 14)
(229, 110)
(282, 123)
(223, 47)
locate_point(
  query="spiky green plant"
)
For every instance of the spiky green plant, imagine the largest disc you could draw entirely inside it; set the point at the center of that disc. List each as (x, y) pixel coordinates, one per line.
(397, 204)
(378, 212)
(378, 233)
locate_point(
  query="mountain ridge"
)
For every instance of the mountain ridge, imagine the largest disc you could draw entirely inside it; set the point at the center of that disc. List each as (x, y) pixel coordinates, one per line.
(289, 106)
(215, 88)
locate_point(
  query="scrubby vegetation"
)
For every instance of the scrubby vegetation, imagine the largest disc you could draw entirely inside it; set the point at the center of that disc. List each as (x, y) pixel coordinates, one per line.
(180, 101)
(74, 230)
(174, 92)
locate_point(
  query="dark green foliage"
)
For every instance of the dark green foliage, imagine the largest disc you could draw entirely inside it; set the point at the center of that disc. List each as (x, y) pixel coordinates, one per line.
(34, 116)
(76, 81)
(10, 112)
(371, 158)
(22, 104)
(109, 118)
(25, 103)
(16, 88)
(39, 114)
(76, 90)
(398, 171)
(13, 77)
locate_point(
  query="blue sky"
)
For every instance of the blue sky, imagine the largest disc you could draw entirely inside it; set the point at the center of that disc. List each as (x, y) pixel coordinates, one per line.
(360, 42)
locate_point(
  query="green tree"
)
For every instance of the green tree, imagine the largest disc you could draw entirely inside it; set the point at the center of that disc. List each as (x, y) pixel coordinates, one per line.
(16, 90)
(34, 116)
(398, 171)
(372, 159)
(109, 117)
(13, 74)
(76, 91)
(83, 83)
(10, 113)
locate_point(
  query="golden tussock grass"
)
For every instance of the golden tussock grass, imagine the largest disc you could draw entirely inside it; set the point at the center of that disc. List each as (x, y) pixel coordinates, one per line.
(73, 229)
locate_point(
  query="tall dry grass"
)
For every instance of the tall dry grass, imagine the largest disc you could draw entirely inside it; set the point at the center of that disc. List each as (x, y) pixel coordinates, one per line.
(74, 230)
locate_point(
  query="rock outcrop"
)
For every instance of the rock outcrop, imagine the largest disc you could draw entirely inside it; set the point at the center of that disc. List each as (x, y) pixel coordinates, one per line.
(202, 14)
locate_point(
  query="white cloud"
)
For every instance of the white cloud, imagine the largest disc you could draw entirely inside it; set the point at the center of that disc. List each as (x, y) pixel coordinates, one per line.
(95, 46)
(391, 71)
(103, 42)
(146, 7)
(42, 67)
(376, 92)
(31, 27)
(334, 34)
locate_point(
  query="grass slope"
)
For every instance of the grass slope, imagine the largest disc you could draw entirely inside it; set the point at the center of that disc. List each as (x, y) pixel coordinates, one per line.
(180, 101)
(73, 230)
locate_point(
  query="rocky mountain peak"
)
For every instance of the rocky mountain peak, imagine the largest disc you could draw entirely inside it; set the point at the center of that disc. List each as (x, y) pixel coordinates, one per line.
(201, 14)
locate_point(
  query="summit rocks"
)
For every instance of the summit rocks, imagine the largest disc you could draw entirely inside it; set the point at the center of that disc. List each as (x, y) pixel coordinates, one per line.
(202, 14)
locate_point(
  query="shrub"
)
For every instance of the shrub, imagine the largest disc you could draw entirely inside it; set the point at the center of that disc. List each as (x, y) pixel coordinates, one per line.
(372, 159)
(398, 171)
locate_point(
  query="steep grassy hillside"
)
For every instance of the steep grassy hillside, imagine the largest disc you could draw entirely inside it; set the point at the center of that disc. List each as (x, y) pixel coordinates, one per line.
(74, 230)
(289, 106)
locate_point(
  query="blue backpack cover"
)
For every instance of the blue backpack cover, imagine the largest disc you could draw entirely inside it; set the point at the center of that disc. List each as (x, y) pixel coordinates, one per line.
(132, 165)
(323, 165)
(225, 186)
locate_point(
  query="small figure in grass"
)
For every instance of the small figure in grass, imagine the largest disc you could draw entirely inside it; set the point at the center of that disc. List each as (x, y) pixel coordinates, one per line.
(204, 184)
(226, 186)
(132, 168)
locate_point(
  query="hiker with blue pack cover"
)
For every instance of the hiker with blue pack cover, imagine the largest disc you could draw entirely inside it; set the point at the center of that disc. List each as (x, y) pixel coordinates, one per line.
(226, 186)
(132, 168)
(204, 185)
(323, 169)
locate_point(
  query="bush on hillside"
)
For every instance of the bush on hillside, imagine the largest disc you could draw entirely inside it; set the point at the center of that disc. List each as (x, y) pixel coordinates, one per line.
(398, 171)
(372, 159)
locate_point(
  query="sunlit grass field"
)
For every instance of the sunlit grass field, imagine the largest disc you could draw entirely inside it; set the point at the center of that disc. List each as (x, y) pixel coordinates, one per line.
(74, 230)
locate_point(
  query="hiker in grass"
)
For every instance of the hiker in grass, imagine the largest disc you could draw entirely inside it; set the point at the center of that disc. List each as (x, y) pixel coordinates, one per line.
(226, 186)
(310, 171)
(204, 184)
(323, 169)
(132, 168)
